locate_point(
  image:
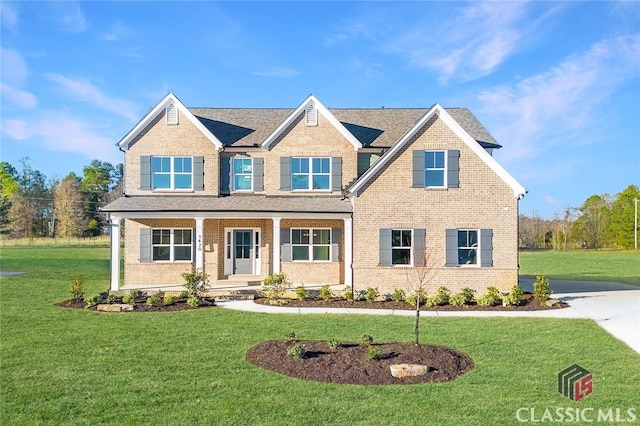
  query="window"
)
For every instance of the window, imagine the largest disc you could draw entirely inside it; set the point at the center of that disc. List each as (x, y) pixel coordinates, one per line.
(242, 174)
(434, 168)
(467, 247)
(311, 244)
(171, 245)
(401, 247)
(310, 173)
(171, 173)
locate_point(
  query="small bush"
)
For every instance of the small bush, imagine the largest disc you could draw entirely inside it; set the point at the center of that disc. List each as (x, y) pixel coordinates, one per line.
(325, 293)
(458, 300)
(469, 294)
(275, 286)
(76, 290)
(290, 335)
(184, 294)
(348, 295)
(373, 353)
(129, 299)
(302, 293)
(442, 296)
(411, 299)
(492, 297)
(371, 294)
(515, 297)
(398, 295)
(366, 338)
(333, 344)
(156, 298)
(541, 290)
(296, 351)
(112, 298)
(169, 299)
(96, 299)
(193, 301)
(197, 284)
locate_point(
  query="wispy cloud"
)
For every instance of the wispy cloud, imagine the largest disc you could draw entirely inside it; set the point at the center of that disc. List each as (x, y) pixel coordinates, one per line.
(17, 98)
(14, 77)
(278, 73)
(468, 45)
(8, 15)
(560, 107)
(68, 16)
(59, 132)
(118, 32)
(87, 92)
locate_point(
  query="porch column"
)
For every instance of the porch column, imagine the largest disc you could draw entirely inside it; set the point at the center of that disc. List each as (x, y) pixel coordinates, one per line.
(199, 244)
(276, 245)
(115, 252)
(348, 252)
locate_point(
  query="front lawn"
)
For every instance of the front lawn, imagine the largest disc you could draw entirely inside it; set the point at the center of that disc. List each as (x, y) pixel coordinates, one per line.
(66, 366)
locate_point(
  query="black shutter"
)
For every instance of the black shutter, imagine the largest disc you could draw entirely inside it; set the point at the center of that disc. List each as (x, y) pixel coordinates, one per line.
(285, 173)
(384, 247)
(145, 172)
(453, 168)
(418, 169)
(225, 175)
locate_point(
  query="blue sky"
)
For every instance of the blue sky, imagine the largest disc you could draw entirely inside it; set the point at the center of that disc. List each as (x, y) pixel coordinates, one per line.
(556, 83)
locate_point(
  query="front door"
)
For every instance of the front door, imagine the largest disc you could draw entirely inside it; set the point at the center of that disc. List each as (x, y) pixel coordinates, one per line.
(242, 248)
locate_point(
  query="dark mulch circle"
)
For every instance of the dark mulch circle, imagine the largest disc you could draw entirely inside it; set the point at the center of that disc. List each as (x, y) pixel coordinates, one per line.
(141, 305)
(528, 304)
(348, 363)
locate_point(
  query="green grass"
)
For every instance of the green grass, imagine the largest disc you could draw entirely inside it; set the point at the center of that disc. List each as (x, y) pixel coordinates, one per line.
(61, 366)
(583, 265)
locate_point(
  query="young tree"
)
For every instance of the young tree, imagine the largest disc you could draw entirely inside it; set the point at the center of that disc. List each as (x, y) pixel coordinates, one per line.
(68, 207)
(423, 274)
(623, 217)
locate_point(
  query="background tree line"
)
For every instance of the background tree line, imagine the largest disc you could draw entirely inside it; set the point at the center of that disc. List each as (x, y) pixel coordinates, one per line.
(602, 221)
(34, 206)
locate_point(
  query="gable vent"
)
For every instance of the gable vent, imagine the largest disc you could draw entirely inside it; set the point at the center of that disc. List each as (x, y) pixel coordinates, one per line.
(171, 114)
(311, 116)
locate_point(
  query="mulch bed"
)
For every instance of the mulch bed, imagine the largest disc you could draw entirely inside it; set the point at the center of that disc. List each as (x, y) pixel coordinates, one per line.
(348, 363)
(141, 305)
(528, 304)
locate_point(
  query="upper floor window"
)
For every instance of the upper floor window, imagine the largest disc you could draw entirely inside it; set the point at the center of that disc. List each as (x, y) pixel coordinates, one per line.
(310, 173)
(171, 245)
(434, 169)
(242, 174)
(311, 244)
(171, 172)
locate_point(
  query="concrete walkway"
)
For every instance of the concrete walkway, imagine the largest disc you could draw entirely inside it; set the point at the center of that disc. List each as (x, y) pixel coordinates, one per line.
(613, 306)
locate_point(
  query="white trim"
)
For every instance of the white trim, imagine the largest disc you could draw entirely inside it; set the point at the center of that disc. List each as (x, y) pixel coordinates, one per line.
(348, 252)
(233, 174)
(311, 244)
(172, 245)
(153, 113)
(199, 244)
(231, 215)
(115, 253)
(411, 248)
(478, 249)
(276, 245)
(518, 190)
(311, 100)
(445, 169)
(172, 173)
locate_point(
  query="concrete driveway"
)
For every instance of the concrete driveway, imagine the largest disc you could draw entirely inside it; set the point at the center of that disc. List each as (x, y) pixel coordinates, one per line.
(613, 306)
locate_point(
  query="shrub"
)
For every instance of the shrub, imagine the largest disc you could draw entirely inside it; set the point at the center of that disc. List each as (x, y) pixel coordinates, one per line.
(515, 297)
(373, 353)
(468, 294)
(196, 283)
(411, 299)
(296, 351)
(275, 285)
(156, 298)
(112, 298)
(169, 299)
(366, 338)
(541, 290)
(398, 295)
(458, 300)
(184, 294)
(333, 344)
(290, 335)
(442, 296)
(76, 290)
(371, 294)
(193, 301)
(348, 294)
(325, 293)
(129, 299)
(96, 299)
(302, 292)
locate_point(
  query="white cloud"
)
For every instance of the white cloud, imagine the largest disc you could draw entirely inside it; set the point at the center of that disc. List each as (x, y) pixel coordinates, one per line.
(550, 200)
(14, 68)
(553, 107)
(119, 32)
(278, 73)
(8, 15)
(58, 132)
(87, 92)
(68, 16)
(16, 97)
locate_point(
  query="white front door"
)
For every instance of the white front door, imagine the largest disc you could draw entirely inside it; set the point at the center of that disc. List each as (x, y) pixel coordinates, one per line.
(242, 252)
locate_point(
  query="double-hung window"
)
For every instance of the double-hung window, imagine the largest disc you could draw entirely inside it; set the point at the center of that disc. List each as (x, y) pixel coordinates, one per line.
(401, 246)
(434, 169)
(171, 245)
(467, 247)
(310, 173)
(242, 174)
(172, 173)
(311, 245)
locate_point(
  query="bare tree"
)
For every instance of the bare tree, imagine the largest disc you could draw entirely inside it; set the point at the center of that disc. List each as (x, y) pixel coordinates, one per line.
(68, 207)
(423, 274)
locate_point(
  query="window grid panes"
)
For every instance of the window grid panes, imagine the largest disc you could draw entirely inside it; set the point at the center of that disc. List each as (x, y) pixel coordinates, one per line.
(171, 245)
(310, 173)
(311, 244)
(434, 168)
(401, 246)
(468, 247)
(242, 174)
(171, 172)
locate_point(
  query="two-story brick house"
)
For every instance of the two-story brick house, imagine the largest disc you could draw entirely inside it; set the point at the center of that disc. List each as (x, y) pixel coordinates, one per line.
(328, 196)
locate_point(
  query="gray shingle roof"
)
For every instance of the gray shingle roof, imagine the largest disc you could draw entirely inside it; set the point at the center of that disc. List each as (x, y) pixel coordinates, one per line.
(373, 127)
(237, 203)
